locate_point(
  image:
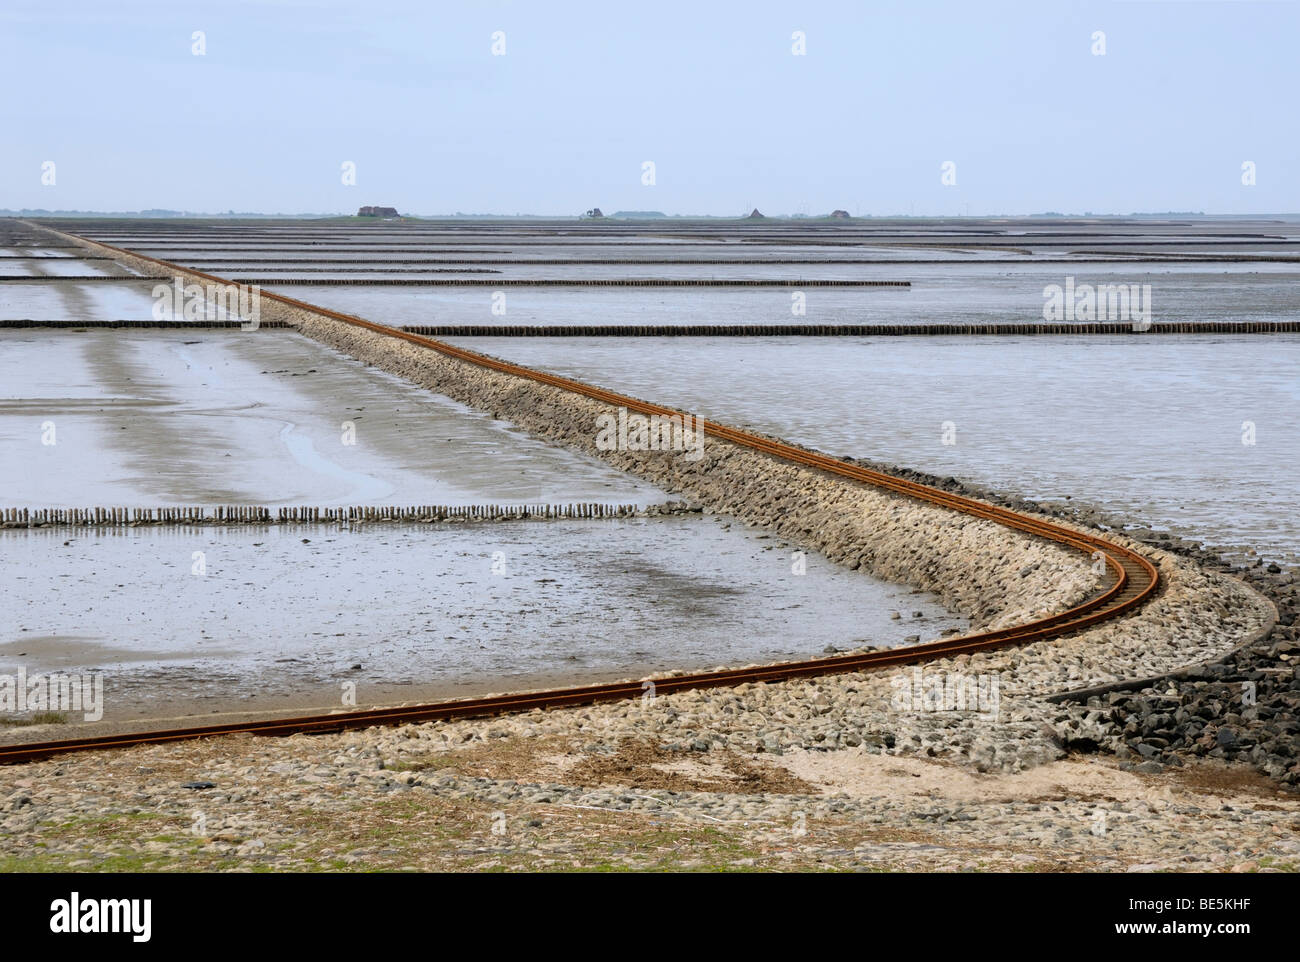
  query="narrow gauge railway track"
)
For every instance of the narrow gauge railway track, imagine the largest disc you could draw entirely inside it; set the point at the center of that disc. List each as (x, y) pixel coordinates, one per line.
(1132, 579)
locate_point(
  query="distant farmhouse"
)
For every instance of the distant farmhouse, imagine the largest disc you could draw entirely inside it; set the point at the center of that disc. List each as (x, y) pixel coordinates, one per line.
(756, 215)
(839, 215)
(378, 212)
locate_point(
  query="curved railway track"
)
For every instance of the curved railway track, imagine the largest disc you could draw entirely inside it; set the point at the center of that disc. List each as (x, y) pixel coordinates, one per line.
(1131, 580)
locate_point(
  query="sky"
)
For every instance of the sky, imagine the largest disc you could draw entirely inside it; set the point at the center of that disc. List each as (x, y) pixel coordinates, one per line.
(516, 106)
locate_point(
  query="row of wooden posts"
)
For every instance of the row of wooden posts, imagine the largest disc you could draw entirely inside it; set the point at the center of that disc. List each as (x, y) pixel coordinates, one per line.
(560, 282)
(849, 330)
(255, 514)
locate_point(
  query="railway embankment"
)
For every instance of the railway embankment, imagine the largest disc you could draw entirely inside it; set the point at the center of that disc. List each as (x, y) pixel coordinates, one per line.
(1242, 705)
(993, 574)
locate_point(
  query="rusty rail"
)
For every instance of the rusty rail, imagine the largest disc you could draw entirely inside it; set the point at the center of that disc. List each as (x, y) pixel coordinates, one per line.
(1134, 579)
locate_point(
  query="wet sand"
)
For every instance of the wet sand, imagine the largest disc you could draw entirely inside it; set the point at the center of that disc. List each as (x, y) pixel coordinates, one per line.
(233, 417)
(1148, 428)
(284, 617)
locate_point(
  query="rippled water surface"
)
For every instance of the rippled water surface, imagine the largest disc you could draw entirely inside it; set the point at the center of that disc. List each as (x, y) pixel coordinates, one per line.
(445, 609)
(1151, 427)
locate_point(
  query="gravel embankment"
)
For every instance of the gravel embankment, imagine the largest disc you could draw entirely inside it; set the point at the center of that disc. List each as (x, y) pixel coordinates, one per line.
(993, 575)
(1244, 706)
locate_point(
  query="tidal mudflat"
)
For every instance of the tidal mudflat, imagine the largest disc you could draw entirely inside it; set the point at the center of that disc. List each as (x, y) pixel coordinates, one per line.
(1196, 433)
(191, 620)
(261, 417)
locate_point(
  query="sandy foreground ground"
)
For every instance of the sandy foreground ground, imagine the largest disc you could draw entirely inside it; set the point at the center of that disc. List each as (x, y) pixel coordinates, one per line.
(405, 799)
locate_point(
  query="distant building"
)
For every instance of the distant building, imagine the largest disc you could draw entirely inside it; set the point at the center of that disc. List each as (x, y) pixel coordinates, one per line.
(378, 212)
(593, 213)
(755, 215)
(839, 215)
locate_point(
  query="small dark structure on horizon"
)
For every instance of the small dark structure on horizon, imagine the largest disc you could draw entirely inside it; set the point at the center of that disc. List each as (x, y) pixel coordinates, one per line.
(593, 213)
(839, 215)
(756, 215)
(378, 212)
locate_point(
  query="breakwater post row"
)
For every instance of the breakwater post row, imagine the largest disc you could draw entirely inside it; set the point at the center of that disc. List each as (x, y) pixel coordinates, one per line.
(256, 514)
(851, 330)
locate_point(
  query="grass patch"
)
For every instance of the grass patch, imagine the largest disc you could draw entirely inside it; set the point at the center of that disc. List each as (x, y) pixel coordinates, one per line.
(40, 718)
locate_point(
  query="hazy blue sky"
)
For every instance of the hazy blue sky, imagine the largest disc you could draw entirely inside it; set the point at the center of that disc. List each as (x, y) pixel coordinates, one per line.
(711, 93)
